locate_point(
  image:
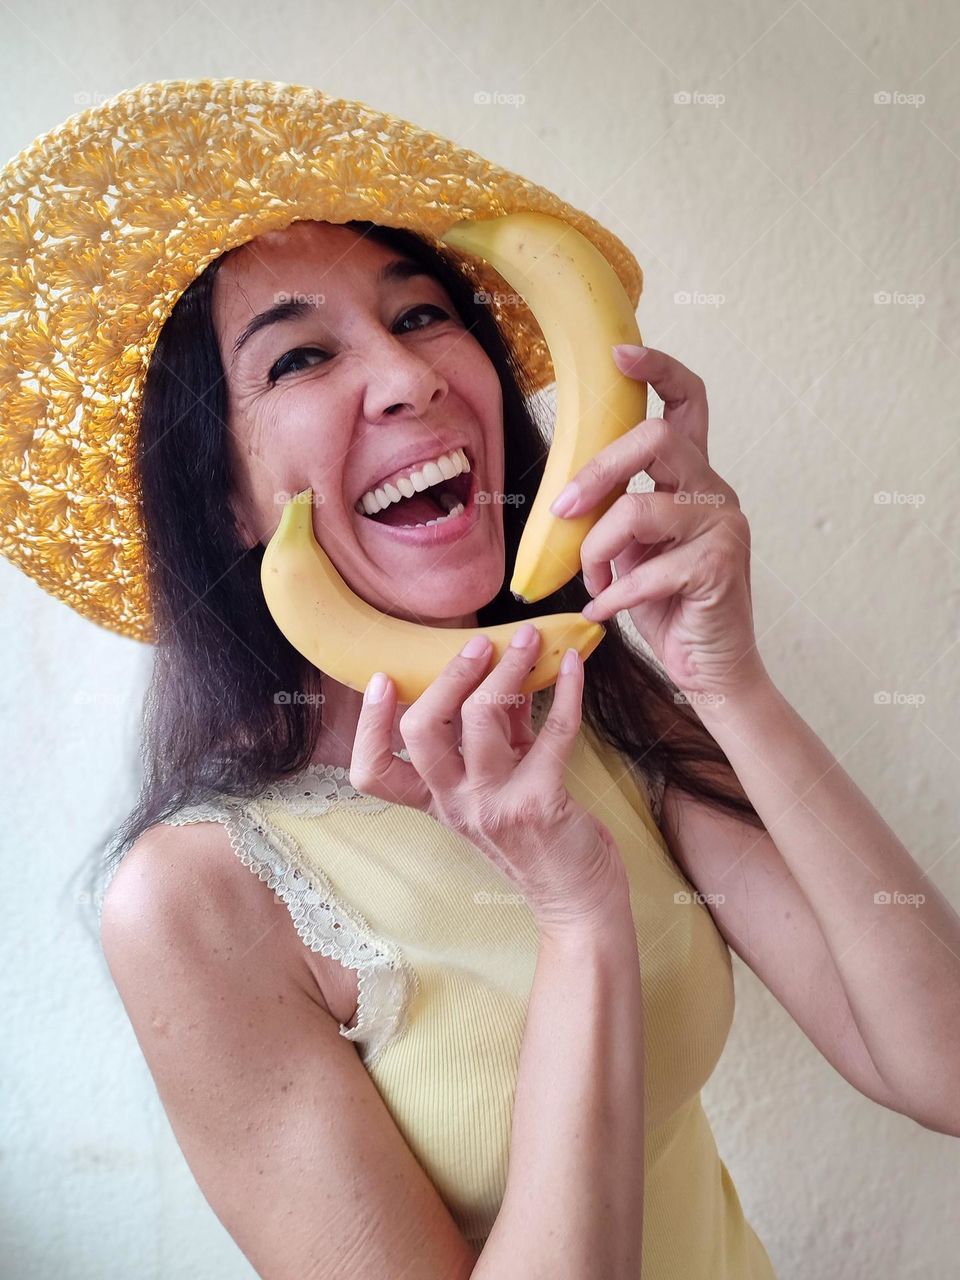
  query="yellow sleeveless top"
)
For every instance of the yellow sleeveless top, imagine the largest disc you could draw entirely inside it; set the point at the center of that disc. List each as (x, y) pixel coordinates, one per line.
(445, 953)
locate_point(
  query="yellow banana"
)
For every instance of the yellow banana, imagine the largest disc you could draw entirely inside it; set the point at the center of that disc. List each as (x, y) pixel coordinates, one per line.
(349, 639)
(582, 309)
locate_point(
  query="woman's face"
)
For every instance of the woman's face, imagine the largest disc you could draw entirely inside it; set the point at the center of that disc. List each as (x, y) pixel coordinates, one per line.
(372, 376)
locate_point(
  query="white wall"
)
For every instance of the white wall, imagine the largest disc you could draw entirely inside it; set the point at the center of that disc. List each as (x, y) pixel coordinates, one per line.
(796, 198)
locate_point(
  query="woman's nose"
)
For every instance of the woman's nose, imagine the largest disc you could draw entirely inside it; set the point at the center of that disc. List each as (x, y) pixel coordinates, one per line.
(400, 378)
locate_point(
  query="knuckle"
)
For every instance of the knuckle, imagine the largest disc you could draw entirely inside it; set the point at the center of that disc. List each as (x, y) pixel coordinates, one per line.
(595, 471)
(559, 725)
(657, 433)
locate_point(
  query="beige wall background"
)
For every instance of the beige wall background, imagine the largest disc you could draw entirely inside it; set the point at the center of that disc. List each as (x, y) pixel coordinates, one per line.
(787, 175)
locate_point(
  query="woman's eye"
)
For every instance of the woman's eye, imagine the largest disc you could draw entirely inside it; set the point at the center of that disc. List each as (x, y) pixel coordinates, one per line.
(286, 362)
(423, 310)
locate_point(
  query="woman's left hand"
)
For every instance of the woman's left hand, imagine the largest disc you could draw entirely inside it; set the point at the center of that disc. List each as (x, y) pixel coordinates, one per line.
(682, 551)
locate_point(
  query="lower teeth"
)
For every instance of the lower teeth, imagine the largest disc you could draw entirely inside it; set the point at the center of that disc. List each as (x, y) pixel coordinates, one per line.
(451, 515)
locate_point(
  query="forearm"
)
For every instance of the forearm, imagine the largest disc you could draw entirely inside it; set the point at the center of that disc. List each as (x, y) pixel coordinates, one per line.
(897, 954)
(573, 1204)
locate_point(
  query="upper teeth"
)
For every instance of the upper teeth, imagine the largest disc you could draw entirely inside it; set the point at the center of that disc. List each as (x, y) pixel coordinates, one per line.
(445, 467)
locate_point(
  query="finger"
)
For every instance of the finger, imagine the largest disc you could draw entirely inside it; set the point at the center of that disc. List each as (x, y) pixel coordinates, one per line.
(374, 769)
(653, 446)
(487, 748)
(675, 572)
(683, 392)
(546, 762)
(641, 517)
(432, 726)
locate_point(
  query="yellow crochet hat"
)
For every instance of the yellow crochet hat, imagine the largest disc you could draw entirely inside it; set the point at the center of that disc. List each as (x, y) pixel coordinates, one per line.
(105, 220)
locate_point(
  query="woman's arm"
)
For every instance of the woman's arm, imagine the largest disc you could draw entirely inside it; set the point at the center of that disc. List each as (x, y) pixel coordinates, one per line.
(893, 938)
(573, 1205)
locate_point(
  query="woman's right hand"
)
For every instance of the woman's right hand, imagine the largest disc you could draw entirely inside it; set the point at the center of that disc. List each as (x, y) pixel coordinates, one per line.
(502, 788)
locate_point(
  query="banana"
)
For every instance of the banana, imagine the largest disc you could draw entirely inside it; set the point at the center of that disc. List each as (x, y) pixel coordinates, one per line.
(347, 638)
(582, 309)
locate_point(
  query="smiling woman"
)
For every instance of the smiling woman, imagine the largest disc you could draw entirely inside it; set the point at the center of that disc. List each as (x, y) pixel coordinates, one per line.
(232, 706)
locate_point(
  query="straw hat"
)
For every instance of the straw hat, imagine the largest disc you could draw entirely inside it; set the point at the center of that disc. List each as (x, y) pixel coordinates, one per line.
(106, 219)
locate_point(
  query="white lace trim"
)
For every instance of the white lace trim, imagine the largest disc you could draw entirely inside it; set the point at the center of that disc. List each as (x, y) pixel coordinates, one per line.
(386, 983)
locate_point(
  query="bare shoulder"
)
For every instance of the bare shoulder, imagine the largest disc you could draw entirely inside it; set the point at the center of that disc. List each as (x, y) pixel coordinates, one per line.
(181, 890)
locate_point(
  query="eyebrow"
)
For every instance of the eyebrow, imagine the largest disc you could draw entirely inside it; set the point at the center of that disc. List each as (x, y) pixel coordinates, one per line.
(396, 270)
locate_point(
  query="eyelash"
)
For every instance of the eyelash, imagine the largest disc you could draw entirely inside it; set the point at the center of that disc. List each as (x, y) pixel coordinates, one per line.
(274, 374)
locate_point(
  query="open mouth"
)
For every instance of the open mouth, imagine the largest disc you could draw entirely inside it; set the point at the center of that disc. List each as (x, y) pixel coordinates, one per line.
(439, 501)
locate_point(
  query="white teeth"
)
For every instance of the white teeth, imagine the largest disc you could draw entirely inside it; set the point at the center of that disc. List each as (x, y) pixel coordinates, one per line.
(451, 515)
(443, 468)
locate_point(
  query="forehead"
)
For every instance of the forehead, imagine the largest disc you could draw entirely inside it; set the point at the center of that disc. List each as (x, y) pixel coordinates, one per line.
(304, 252)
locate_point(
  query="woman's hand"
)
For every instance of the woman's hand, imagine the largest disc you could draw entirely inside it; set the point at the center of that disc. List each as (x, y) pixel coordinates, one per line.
(682, 552)
(503, 787)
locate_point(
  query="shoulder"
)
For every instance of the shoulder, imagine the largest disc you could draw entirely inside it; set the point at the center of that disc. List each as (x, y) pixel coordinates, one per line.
(181, 893)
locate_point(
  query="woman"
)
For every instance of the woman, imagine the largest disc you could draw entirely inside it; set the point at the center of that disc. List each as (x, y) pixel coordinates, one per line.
(461, 1142)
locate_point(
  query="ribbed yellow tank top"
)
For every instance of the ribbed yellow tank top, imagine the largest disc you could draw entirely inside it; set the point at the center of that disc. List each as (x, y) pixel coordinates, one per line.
(445, 952)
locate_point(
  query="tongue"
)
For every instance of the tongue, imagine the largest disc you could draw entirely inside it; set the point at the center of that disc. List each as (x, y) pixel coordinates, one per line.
(416, 510)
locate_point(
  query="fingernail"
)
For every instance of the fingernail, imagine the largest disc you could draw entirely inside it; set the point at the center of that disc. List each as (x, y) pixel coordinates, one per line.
(376, 688)
(523, 636)
(474, 647)
(589, 610)
(565, 500)
(570, 660)
(629, 350)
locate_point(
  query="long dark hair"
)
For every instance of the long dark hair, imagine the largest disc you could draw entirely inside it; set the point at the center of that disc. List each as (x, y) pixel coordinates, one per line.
(211, 720)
